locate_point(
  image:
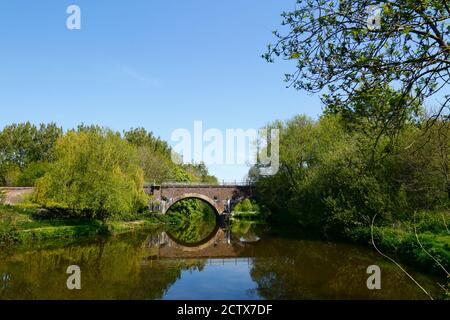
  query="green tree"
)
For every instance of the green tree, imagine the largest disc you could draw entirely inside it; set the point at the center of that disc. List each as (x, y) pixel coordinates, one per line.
(140, 137)
(199, 173)
(23, 144)
(247, 205)
(368, 107)
(336, 47)
(329, 181)
(423, 166)
(96, 174)
(156, 158)
(157, 167)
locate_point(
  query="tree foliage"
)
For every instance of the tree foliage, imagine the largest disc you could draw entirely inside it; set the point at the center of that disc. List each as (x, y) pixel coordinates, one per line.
(336, 46)
(23, 145)
(96, 174)
(331, 178)
(199, 173)
(156, 160)
(141, 138)
(247, 205)
(91, 171)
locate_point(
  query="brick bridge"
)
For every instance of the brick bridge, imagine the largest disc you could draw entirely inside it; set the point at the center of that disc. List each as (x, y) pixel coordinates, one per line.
(221, 197)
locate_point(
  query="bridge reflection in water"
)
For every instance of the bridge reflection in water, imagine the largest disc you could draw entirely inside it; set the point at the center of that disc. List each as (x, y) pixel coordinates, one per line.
(220, 244)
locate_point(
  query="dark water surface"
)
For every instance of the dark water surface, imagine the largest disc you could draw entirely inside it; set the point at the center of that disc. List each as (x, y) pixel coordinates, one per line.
(231, 263)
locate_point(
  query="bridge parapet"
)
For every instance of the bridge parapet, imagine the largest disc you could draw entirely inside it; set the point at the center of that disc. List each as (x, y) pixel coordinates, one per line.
(223, 183)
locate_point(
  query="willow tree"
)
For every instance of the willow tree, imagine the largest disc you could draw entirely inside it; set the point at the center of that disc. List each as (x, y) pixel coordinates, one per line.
(96, 174)
(341, 46)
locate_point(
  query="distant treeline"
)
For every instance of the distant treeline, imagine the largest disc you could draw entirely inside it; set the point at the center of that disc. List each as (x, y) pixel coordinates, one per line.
(26, 151)
(90, 171)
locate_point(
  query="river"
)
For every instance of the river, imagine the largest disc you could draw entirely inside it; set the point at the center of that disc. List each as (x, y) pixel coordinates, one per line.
(244, 261)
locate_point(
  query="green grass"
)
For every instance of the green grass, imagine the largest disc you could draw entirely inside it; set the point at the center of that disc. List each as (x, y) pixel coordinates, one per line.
(59, 232)
(403, 245)
(23, 224)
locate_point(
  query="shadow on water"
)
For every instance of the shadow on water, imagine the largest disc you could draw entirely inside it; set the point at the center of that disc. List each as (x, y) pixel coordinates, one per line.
(242, 260)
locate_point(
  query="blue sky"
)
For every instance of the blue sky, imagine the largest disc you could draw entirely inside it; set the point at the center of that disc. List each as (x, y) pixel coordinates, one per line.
(140, 63)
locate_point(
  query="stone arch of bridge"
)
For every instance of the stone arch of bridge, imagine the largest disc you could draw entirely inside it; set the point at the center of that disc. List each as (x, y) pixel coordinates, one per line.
(199, 196)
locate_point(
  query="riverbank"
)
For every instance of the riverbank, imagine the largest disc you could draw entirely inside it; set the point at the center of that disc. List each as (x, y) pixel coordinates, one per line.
(411, 243)
(428, 251)
(422, 251)
(21, 224)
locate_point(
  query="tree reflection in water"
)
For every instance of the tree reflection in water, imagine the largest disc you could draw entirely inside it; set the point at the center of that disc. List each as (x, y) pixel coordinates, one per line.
(193, 221)
(154, 265)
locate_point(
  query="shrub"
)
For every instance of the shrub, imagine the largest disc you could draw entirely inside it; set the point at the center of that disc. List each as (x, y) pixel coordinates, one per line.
(247, 205)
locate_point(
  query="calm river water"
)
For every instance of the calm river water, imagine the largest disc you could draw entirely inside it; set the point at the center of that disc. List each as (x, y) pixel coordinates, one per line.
(242, 262)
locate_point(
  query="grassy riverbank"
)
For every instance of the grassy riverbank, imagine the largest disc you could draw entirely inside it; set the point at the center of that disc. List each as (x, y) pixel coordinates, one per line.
(425, 245)
(428, 250)
(21, 224)
(410, 243)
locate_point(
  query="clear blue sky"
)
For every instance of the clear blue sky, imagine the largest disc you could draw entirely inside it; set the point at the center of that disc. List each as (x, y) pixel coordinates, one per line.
(156, 64)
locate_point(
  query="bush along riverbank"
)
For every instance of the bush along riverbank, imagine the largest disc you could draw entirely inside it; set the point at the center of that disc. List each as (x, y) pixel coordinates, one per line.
(424, 244)
(21, 224)
(249, 210)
